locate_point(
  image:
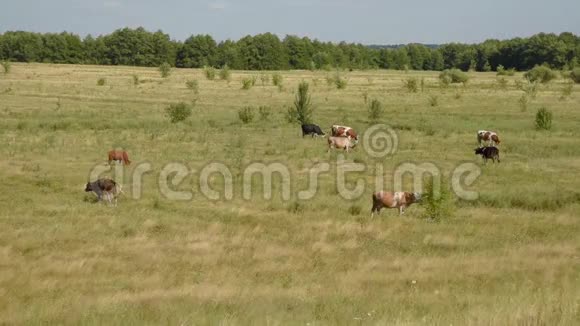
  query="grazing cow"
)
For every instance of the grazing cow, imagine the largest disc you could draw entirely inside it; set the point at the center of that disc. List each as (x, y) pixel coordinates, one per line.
(106, 187)
(120, 156)
(488, 153)
(341, 142)
(389, 199)
(343, 131)
(312, 129)
(487, 136)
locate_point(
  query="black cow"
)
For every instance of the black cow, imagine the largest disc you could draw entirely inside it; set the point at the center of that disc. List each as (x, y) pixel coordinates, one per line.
(486, 153)
(312, 129)
(107, 187)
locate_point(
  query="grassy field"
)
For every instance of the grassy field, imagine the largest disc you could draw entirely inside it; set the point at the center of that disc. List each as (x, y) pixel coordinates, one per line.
(510, 257)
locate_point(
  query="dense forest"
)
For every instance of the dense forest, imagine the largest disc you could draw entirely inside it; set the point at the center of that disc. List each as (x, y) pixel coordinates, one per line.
(139, 47)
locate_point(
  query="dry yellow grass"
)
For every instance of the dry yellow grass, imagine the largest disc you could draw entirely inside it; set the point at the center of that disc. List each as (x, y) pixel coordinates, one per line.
(512, 257)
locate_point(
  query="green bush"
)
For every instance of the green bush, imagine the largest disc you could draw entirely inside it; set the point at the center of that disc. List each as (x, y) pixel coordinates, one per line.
(246, 114)
(247, 83)
(277, 79)
(265, 112)
(193, 85)
(165, 70)
(340, 82)
(501, 71)
(523, 102)
(433, 100)
(354, 210)
(575, 75)
(448, 76)
(375, 110)
(302, 110)
(540, 74)
(544, 119)
(6, 65)
(412, 84)
(101, 81)
(178, 112)
(265, 79)
(135, 80)
(438, 201)
(209, 72)
(225, 73)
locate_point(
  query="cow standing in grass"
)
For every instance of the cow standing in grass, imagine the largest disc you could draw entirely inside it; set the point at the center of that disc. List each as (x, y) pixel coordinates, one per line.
(490, 137)
(488, 153)
(105, 188)
(119, 156)
(311, 129)
(389, 199)
(341, 143)
(343, 131)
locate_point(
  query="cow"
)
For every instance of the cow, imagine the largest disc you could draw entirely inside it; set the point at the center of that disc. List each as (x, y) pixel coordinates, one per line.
(487, 136)
(120, 156)
(343, 131)
(107, 187)
(312, 129)
(341, 142)
(389, 199)
(488, 153)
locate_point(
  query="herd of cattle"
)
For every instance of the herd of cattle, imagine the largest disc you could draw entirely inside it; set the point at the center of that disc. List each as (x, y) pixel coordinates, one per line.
(342, 137)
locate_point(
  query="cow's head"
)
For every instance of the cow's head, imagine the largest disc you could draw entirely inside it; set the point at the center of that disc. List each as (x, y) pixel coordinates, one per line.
(479, 151)
(417, 197)
(88, 187)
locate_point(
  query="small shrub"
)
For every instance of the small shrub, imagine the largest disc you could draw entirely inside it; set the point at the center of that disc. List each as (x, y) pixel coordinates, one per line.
(411, 84)
(502, 83)
(193, 85)
(225, 73)
(247, 83)
(7, 66)
(295, 208)
(302, 110)
(135, 80)
(448, 76)
(265, 79)
(246, 114)
(433, 100)
(101, 82)
(178, 112)
(575, 75)
(209, 72)
(457, 95)
(423, 84)
(501, 71)
(277, 79)
(354, 210)
(523, 103)
(375, 110)
(540, 74)
(530, 88)
(340, 82)
(165, 70)
(437, 199)
(544, 119)
(265, 112)
(567, 89)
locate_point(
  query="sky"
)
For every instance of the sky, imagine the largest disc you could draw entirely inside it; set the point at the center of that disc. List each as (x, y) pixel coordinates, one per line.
(362, 21)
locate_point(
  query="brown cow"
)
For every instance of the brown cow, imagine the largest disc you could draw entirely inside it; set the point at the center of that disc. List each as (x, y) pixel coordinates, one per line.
(341, 142)
(120, 156)
(343, 131)
(389, 199)
(487, 136)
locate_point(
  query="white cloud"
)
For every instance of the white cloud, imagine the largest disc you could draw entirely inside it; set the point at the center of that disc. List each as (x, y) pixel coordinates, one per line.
(217, 6)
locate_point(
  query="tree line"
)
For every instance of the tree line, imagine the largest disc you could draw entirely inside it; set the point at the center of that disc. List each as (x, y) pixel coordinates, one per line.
(139, 47)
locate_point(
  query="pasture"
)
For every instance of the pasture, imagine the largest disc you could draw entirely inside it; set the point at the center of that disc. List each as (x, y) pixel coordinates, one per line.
(510, 257)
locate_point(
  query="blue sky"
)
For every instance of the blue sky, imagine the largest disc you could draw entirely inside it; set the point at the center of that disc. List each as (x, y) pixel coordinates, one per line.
(362, 21)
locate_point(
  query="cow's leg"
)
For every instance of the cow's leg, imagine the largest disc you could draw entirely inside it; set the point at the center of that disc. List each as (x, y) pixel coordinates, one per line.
(401, 211)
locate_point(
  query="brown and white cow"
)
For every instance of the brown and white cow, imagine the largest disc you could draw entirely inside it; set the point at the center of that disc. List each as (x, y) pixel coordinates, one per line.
(341, 142)
(343, 131)
(390, 199)
(490, 137)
